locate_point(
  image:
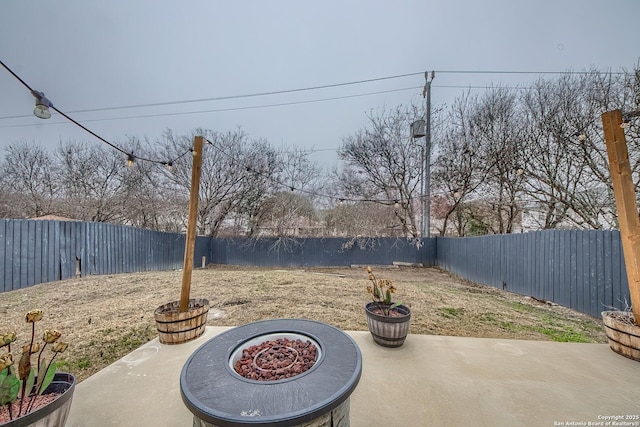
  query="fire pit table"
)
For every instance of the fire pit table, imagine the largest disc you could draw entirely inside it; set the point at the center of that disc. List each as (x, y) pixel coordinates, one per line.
(219, 397)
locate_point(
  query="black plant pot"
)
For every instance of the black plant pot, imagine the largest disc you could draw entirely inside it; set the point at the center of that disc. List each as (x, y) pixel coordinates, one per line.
(388, 331)
(55, 413)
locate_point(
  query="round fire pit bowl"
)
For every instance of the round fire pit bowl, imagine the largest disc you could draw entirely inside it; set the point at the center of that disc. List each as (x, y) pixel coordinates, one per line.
(218, 396)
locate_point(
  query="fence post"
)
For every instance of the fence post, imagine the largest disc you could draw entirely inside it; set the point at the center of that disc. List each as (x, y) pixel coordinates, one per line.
(625, 196)
(191, 224)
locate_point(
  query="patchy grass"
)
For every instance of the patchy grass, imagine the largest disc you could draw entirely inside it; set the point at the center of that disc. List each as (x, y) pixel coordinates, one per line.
(106, 317)
(450, 312)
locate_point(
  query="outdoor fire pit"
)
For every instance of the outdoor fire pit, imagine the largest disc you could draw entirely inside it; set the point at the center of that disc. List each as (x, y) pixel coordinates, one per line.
(283, 372)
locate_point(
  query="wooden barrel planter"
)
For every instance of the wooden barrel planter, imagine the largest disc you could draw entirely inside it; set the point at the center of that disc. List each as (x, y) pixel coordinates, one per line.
(623, 334)
(388, 331)
(175, 327)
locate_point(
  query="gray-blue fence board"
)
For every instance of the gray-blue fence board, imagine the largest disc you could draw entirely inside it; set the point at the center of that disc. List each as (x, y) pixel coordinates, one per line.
(580, 269)
(319, 252)
(33, 252)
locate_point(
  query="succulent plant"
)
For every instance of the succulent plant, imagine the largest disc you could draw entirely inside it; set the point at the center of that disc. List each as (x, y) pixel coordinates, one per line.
(27, 381)
(381, 290)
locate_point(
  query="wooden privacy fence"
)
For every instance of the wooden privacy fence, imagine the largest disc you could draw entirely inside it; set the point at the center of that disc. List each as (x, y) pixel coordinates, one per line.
(580, 269)
(33, 251)
(321, 252)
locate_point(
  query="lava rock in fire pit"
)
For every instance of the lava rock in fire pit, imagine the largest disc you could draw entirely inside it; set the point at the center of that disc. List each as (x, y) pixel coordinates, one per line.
(276, 359)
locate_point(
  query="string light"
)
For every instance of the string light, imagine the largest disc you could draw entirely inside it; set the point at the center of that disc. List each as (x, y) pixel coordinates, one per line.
(42, 111)
(42, 105)
(580, 135)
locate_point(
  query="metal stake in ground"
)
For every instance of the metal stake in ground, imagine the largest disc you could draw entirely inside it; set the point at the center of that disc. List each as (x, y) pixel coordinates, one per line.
(191, 224)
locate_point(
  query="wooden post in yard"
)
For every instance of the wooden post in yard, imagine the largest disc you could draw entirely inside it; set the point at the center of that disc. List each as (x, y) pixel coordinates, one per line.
(191, 224)
(625, 196)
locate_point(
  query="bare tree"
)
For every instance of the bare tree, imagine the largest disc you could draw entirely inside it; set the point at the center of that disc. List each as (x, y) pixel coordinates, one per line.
(27, 174)
(89, 177)
(236, 174)
(355, 219)
(146, 200)
(459, 167)
(285, 214)
(383, 164)
(500, 153)
(496, 129)
(296, 184)
(567, 169)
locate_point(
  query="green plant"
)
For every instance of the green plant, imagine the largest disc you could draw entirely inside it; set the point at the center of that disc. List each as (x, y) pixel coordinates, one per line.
(20, 387)
(380, 291)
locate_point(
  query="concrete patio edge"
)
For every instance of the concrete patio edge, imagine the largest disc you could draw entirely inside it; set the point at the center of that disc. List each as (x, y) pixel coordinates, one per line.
(431, 380)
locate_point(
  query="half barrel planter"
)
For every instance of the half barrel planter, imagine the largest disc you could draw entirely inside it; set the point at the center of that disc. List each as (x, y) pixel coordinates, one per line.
(55, 413)
(622, 333)
(175, 327)
(388, 331)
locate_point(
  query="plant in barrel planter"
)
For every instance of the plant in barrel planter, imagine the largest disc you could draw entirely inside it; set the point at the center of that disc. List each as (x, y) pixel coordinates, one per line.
(33, 394)
(623, 327)
(186, 319)
(388, 321)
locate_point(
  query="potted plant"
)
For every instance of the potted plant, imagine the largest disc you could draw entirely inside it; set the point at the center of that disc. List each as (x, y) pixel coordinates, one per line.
(388, 321)
(34, 395)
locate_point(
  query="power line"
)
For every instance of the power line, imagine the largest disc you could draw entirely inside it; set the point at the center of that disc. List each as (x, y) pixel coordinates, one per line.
(249, 95)
(130, 156)
(618, 73)
(218, 110)
(333, 85)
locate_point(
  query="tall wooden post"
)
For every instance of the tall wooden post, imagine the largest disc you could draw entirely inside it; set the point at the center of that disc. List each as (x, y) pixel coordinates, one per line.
(626, 206)
(191, 224)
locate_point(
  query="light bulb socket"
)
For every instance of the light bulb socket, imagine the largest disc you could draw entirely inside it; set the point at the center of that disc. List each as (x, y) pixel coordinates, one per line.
(42, 105)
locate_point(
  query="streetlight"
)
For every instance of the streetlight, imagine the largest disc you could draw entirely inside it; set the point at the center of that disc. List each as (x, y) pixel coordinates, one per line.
(420, 128)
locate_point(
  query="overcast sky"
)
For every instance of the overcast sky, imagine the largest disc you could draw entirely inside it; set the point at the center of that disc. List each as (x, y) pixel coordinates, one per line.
(87, 55)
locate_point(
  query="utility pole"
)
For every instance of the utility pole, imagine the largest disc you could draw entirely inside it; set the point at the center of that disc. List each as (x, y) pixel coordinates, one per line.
(426, 199)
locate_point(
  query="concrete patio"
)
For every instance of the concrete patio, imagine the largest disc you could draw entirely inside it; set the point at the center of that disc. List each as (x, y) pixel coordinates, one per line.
(431, 380)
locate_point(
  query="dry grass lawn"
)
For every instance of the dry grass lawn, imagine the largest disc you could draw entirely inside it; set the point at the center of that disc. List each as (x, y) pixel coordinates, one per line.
(106, 317)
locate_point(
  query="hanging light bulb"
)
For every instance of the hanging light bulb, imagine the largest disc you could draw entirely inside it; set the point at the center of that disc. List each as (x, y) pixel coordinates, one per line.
(42, 105)
(130, 159)
(169, 166)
